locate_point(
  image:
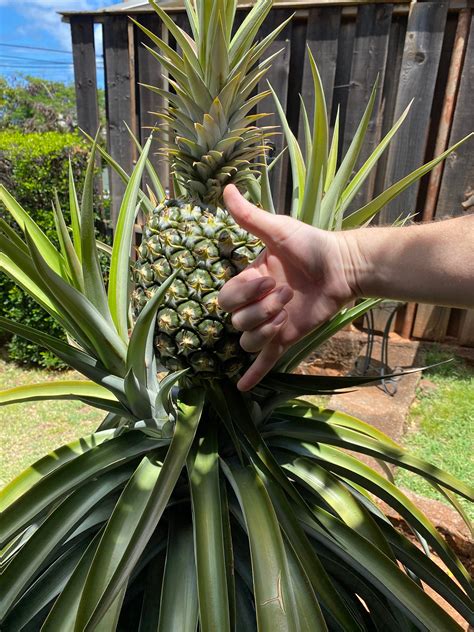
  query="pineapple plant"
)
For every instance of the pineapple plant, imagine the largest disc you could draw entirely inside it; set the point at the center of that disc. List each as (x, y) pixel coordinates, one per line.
(194, 506)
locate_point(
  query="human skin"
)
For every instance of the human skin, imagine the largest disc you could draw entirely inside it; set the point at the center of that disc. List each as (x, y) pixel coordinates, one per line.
(305, 275)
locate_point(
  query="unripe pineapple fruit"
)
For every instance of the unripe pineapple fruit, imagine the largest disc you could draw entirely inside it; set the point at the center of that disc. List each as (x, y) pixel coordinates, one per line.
(208, 248)
(210, 140)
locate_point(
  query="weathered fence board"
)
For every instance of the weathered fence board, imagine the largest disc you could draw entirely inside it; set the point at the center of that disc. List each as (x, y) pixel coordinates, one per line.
(421, 55)
(83, 54)
(342, 79)
(431, 323)
(456, 196)
(277, 76)
(149, 72)
(368, 63)
(322, 40)
(118, 103)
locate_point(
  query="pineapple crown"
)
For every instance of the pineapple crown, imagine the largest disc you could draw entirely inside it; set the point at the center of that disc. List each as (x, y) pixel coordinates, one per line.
(209, 131)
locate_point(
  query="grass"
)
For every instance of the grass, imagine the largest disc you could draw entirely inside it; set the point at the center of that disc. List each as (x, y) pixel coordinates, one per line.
(29, 431)
(440, 424)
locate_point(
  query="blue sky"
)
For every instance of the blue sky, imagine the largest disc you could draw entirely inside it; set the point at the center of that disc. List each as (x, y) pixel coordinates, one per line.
(36, 24)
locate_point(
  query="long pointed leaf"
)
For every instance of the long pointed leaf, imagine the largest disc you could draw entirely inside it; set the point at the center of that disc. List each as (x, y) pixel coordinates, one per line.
(119, 265)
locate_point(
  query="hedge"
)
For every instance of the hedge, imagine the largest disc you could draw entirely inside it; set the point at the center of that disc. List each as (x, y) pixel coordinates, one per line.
(32, 167)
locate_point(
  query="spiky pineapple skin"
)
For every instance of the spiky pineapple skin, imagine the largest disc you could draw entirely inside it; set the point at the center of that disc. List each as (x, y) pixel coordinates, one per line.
(208, 248)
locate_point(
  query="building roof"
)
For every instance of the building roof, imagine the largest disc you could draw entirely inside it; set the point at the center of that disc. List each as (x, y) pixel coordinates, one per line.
(142, 6)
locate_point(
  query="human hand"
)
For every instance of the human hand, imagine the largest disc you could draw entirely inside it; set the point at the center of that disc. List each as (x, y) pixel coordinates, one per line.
(302, 278)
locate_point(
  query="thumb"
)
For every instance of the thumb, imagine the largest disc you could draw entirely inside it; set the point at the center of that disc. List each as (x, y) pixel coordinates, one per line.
(264, 225)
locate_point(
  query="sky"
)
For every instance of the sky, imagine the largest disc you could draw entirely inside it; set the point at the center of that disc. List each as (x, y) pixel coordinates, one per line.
(29, 25)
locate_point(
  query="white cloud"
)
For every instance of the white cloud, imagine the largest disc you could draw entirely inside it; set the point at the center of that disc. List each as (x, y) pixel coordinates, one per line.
(42, 15)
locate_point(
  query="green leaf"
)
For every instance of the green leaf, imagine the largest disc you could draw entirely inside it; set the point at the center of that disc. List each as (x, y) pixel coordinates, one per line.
(203, 468)
(365, 214)
(48, 464)
(95, 330)
(44, 590)
(121, 172)
(266, 192)
(155, 180)
(273, 589)
(316, 170)
(179, 595)
(128, 532)
(94, 288)
(140, 338)
(384, 573)
(67, 389)
(74, 357)
(119, 265)
(309, 561)
(67, 248)
(246, 33)
(52, 532)
(299, 351)
(332, 198)
(75, 212)
(63, 614)
(26, 223)
(298, 168)
(46, 491)
(361, 175)
(332, 159)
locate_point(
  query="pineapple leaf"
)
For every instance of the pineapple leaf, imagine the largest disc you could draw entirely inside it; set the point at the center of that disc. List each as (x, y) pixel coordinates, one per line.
(273, 587)
(364, 171)
(94, 288)
(95, 333)
(330, 203)
(25, 222)
(72, 389)
(46, 491)
(310, 210)
(75, 212)
(332, 159)
(180, 37)
(159, 190)
(367, 212)
(246, 33)
(119, 265)
(310, 562)
(299, 351)
(128, 531)
(203, 469)
(53, 530)
(180, 570)
(67, 247)
(140, 338)
(49, 464)
(266, 192)
(120, 172)
(395, 585)
(298, 168)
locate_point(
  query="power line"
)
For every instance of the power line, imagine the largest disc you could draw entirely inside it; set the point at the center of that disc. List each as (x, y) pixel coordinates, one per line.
(50, 50)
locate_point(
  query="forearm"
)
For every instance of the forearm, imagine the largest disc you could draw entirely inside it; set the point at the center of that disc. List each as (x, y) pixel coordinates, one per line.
(427, 263)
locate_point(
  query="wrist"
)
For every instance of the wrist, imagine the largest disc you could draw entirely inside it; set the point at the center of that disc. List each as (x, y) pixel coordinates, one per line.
(359, 270)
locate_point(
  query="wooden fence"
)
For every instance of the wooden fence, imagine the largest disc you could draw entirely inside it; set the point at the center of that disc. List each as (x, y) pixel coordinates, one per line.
(422, 51)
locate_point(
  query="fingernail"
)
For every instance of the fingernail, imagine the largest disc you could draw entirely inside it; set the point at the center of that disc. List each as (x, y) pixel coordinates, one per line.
(281, 318)
(266, 285)
(286, 294)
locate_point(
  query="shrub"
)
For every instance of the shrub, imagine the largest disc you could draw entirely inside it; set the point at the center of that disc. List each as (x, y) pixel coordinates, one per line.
(33, 166)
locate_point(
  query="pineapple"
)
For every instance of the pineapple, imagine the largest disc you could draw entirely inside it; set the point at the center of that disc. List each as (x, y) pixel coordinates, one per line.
(212, 141)
(193, 507)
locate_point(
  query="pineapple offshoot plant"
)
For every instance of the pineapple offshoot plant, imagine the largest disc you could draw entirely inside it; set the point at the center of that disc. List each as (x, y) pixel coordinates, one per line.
(193, 505)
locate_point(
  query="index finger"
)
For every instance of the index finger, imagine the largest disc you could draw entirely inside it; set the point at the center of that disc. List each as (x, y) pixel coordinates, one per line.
(264, 363)
(241, 291)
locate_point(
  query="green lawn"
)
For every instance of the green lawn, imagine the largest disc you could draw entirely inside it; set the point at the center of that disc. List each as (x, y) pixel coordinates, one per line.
(440, 427)
(28, 431)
